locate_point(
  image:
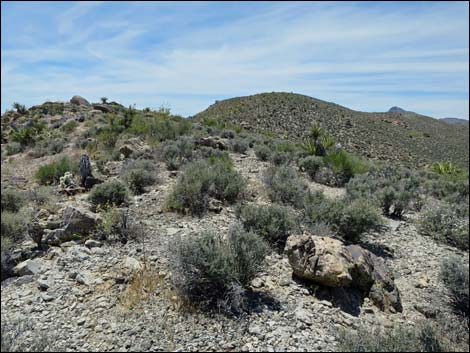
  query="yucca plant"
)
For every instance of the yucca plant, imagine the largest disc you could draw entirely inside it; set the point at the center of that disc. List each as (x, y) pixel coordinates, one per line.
(327, 141)
(315, 132)
(446, 168)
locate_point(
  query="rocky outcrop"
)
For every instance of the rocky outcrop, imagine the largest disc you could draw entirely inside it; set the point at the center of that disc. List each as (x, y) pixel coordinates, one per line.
(211, 142)
(133, 146)
(77, 100)
(76, 222)
(328, 262)
(102, 108)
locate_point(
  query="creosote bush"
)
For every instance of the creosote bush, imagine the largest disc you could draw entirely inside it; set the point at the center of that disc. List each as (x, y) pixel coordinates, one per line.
(262, 152)
(111, 193)
(177, 153)
(138, 175)
(213, 271)
(273, 223)
(310, 165)
(285, 185)
(444, 224)
(203, 179)
(348, 219)
(51, 173)
(12, 200)
(454, 274)
(421, 338)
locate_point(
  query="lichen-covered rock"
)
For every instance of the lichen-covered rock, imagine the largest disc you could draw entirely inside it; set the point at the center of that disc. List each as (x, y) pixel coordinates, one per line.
(327, 261)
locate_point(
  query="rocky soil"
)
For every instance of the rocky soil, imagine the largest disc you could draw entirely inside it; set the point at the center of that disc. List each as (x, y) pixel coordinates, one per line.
(101, 296)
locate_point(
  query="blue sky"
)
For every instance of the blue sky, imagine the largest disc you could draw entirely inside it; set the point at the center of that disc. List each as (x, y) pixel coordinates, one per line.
(365, 56)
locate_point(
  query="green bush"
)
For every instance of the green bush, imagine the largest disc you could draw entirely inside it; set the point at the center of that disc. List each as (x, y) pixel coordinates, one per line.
(227, 134)
(273, 223)
(51, 173)
(454, 274)
(310, 165)
(14, 148)
(447, 168)
(49, 147)
(212, 270)
(421, 338)
(50, 108)
(28, 134)
(138, 175)
(239, 145)
(177, 153)
(344, 165)
(111, 193)
(444, 224)
(203, 179)
(285, 186)
(12, 200)
(278, 157)
(348, 219)
(262, 152)
(15, 225)
(69, 126)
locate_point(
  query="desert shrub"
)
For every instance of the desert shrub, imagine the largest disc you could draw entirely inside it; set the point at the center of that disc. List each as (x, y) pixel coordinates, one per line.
(7, 264)
(280, 157)
(285, 185)
(119, 225)
(204, 152)
(348, 219)
(273, 223)
(51, 173)
(177, 153)
(111, 193)
(51, 108)
(310, 165)
(28, 135)
(420, 338)
(49, 147)
(208, 268)
(13, 148)
(160, 127)
(138, 175)
(446, 168)
(454, 274)
(344, 165)
(239, 145)
(15, 225)
(444, 224)
(262, 152)
(42, 196)
(395, 190)
(227, 134)
(69, 126)
(12, 200)
(203, 179)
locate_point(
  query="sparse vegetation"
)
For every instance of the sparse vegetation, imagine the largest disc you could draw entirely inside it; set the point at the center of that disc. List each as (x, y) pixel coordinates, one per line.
(12, 200)
(272, 222)
(204, 179)
(214, 271)
(108, 194)
(262, 152)
(398, 339)
(444, 224)
(51, 173)
(138, 175)
(348, 219)
(285, 186)
(454, 273)
(177, 153)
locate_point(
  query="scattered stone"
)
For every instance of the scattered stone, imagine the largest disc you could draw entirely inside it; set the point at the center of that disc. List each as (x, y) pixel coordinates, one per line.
(91, 243)
(28, 267)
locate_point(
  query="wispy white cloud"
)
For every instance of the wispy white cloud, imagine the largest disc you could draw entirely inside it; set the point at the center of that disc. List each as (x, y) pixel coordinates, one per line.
(188, 55)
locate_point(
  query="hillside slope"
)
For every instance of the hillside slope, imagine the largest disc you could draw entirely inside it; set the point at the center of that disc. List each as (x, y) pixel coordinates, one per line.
(406, 137)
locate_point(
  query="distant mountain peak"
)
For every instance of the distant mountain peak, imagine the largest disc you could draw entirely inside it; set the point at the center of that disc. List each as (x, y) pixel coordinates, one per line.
(455, 120)
(397, 110)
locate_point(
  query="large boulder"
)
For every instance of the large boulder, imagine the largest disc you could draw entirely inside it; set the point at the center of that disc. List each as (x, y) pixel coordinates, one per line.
(103, 108)
(328, 262)
(134, 146)
(77, 100)
(28, 267)
(76, 223)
